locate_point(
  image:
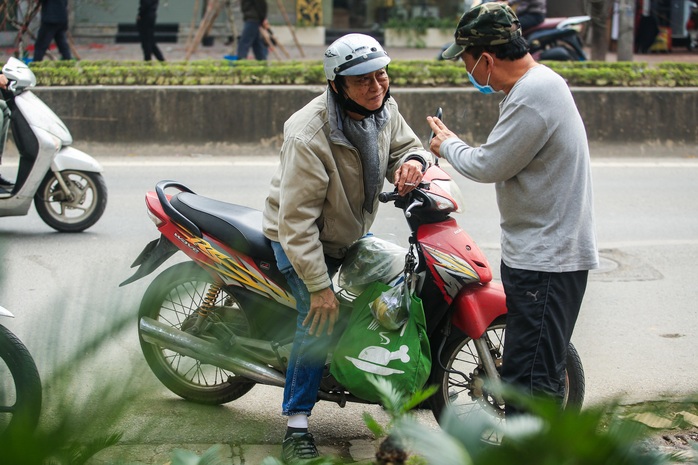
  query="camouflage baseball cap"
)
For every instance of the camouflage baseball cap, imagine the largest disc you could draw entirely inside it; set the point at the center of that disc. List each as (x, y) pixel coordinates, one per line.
(485, 24)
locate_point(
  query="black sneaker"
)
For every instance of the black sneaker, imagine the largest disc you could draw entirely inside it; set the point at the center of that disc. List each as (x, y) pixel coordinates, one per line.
(299, 446)
(5, 183)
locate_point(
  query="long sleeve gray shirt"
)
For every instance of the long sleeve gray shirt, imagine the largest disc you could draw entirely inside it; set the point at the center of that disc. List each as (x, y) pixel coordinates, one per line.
(538, 157)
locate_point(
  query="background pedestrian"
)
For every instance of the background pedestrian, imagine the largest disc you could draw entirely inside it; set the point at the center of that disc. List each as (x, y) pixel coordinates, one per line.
(254, 15)
(54, 25)
(145, 21)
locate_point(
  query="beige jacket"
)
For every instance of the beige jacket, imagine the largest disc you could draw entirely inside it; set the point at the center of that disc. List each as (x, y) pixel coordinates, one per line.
(315, 203)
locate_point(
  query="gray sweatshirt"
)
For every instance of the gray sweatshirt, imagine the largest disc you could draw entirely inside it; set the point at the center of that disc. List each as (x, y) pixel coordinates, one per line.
(538, 157)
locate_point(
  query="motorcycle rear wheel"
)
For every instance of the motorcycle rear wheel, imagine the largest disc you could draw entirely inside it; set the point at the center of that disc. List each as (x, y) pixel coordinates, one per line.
(20, 389)
(83, 209)
(174, 298)
(469, 397)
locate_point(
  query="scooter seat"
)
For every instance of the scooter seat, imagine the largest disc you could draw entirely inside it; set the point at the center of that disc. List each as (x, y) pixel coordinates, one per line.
(235, 225)
(548, 23)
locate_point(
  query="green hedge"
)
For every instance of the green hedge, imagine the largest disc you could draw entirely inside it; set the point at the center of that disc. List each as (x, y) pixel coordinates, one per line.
(403, 73)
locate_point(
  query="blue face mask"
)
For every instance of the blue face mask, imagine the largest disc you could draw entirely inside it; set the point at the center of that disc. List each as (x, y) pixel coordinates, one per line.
(486, 89)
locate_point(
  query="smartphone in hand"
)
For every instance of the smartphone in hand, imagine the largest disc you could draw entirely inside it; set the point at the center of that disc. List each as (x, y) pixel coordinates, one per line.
(439, 114)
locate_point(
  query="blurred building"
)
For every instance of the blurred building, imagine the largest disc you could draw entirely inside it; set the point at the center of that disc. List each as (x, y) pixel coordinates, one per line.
(316, 22)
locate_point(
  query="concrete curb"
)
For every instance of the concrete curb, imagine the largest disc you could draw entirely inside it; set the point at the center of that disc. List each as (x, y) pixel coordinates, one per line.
(256, 114)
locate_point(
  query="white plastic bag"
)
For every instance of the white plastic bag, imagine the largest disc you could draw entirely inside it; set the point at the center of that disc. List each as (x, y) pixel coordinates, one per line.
(368, 260)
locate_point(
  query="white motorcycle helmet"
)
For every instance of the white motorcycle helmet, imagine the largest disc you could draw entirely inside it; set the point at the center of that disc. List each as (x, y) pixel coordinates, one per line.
(353, 55)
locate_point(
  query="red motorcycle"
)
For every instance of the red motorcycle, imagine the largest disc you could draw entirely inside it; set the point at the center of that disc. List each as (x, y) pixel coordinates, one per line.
(213, 327)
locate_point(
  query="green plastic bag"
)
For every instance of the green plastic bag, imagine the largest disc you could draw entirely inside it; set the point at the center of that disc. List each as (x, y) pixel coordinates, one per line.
(402, 356)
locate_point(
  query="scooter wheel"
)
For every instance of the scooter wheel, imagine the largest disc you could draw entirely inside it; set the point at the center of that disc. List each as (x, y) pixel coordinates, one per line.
(20, 389)
(78, 210)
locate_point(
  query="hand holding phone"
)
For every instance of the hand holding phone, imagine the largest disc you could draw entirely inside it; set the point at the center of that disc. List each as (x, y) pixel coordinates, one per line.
(439, 114)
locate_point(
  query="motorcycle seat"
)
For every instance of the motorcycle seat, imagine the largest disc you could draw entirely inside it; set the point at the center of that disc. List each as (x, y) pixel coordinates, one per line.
(235, 225)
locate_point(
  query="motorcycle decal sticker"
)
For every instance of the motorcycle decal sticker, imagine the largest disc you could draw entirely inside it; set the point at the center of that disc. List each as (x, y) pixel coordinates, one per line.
(241, 273)
(453, 271)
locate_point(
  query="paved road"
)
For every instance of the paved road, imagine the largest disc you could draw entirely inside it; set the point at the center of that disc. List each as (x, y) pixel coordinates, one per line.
(636, 334)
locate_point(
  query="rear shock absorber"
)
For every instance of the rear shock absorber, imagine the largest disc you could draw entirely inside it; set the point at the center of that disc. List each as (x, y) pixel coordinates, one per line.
(206, 307)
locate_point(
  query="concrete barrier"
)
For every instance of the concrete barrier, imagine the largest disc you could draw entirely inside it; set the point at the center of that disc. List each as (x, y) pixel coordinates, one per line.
(250, 114)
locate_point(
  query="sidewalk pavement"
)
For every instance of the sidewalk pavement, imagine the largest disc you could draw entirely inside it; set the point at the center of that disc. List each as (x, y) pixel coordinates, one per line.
(232, 454)
(178, 52)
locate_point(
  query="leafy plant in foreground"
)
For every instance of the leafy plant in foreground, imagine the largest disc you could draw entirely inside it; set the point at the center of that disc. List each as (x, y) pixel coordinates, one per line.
(397, 405)
(73, 427)
(546, 436)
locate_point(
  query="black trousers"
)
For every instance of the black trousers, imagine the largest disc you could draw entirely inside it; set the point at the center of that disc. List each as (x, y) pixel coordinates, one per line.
(542, 309)
(146, 30)
(47, 33)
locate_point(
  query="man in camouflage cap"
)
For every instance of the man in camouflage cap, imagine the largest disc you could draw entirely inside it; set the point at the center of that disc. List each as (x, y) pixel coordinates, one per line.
(537, 156)
(486, 24)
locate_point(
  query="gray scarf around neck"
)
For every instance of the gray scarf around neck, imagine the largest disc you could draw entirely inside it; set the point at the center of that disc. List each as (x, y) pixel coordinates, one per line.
(363, 134)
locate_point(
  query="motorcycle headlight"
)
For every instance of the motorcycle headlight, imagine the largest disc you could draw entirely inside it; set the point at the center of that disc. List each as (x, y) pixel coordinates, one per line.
(450, 198)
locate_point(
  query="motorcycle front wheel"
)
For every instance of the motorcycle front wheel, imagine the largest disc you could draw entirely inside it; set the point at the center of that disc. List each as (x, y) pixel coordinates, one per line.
(20, 389)
(78, 210)
(462, 382)
(174, 298)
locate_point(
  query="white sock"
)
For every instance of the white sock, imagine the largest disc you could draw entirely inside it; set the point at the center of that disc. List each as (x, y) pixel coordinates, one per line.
(299, 420)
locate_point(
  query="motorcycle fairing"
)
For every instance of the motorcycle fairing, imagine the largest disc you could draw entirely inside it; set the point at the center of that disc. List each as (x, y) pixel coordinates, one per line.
(452, 256)
(452, 271)
(40, 116)
(476, 307)
(70, 158)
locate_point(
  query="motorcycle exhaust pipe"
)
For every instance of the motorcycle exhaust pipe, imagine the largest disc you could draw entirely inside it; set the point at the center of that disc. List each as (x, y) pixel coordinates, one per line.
(167, 337)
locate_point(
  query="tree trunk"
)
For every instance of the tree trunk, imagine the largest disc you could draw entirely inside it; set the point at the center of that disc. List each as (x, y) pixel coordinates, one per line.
(599, 28)
(626, 29)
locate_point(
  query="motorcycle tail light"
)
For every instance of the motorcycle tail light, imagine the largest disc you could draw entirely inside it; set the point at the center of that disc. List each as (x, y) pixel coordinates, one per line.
(158, 222)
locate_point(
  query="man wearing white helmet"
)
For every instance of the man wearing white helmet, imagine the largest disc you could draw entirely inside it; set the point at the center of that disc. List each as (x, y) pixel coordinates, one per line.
(337, 151)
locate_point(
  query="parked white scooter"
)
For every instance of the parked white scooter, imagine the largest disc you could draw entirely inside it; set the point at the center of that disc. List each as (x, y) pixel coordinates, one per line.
(66, 185)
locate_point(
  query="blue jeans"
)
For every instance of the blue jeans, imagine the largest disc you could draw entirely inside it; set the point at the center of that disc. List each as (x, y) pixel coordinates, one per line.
(309, 353)
(251, 37)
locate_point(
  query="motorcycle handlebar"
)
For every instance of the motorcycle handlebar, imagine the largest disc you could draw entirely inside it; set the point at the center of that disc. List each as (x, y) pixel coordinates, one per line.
(385, 197)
